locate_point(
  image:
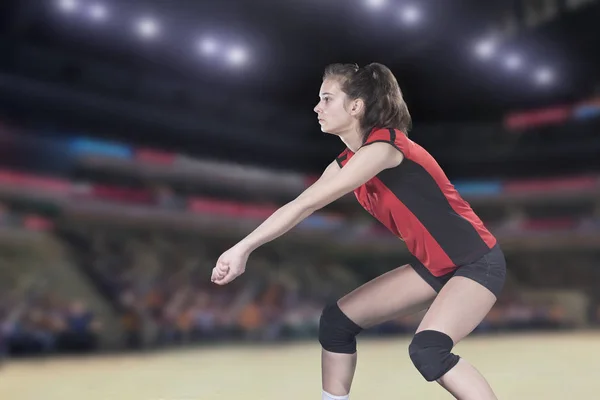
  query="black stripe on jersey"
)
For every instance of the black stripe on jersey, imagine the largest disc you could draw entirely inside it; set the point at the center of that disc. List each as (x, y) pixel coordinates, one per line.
(392, 136)
(391, 141)
(455, 235)
(341, 158)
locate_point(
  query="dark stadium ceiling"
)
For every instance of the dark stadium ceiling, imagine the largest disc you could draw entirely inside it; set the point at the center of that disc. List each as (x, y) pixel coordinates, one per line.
(291, 41)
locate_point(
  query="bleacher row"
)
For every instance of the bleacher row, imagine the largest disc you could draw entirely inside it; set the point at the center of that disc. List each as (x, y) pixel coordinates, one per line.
(63, 191)
(63, 194)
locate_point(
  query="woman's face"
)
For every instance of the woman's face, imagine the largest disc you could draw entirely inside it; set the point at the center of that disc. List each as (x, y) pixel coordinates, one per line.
(332, 109)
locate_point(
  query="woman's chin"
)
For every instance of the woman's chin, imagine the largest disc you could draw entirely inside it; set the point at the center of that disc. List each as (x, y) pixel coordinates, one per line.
(328, 131)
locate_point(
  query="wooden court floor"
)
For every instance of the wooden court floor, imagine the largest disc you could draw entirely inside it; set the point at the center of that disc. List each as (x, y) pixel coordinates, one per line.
(548, 367)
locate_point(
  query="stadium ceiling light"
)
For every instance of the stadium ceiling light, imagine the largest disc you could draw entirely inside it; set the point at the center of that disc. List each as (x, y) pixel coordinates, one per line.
(207, 46)
(410, 15)
(544, 76)
(485, 49)
(375, 4)
(147, 28)
(513, 62)
(237, 55)
(68, 6)
(98, 12)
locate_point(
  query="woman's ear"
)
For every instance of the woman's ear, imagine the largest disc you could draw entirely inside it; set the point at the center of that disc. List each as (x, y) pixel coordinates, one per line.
(357, 107)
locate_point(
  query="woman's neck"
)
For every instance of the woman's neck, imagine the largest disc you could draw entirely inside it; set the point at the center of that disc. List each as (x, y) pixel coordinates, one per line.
(352, 138)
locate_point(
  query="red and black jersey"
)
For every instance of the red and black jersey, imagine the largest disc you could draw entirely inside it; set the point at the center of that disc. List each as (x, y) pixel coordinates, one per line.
(418, 204)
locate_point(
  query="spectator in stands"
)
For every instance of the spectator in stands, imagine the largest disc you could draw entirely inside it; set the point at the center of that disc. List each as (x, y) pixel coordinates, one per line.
(81, 328)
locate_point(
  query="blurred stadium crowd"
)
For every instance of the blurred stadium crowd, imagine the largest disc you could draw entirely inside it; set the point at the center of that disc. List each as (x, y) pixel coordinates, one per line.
(116, 253)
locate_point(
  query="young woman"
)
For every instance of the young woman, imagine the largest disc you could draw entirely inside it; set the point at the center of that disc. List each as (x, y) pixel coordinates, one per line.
(458, 269)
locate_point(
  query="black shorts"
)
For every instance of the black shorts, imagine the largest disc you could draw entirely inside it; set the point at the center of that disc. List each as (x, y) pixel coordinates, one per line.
(489, 271)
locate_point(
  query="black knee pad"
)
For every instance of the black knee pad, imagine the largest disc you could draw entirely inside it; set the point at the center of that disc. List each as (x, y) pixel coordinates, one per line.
(337, 332)
(430, 353)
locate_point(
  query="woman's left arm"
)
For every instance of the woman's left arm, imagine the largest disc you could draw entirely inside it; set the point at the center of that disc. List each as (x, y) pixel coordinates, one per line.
(363, 166)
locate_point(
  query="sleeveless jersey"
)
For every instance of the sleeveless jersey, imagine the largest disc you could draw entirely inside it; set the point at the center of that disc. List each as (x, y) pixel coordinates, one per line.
(418, 204)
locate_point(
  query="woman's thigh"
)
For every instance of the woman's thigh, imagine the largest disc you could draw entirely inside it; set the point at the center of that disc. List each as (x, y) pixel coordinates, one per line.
(398, 292)
(467, 297)
(458, 309)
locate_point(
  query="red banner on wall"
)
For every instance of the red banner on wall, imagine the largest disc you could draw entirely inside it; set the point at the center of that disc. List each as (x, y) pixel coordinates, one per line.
(208, 206)
(548, 224)
(577, 183)
(31, 181)
(154, 156)
(548, 116)
(124, 195)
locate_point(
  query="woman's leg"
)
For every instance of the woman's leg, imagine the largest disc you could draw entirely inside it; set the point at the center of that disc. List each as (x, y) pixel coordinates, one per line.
(398, 292)
(460, 306)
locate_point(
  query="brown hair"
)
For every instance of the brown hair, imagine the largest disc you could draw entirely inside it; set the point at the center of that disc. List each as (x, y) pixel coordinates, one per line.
(377, 86)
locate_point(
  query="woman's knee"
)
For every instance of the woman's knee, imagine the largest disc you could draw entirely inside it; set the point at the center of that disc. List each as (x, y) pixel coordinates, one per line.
(430, 352)
(337, 332)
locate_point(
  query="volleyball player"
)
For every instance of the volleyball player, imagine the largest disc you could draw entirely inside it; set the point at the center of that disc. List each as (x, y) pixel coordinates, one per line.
(457, 268)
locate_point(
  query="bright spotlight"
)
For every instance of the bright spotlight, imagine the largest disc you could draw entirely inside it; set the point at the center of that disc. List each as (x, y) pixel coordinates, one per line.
(237, 56)
(513, 62)
(485, 49)
(410, 14)
(207, 46)
(68, 6)
(375, 4)
(98, 12)
(147, 28)
(544, 76)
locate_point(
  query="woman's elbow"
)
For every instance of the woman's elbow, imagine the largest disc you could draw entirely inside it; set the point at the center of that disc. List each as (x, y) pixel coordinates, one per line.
(307, 205)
